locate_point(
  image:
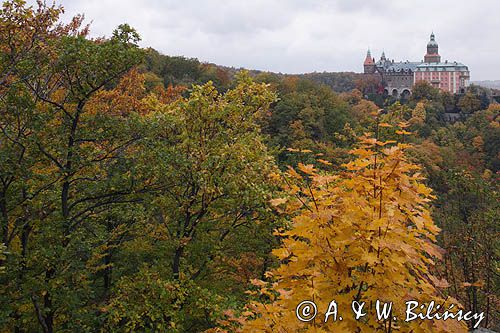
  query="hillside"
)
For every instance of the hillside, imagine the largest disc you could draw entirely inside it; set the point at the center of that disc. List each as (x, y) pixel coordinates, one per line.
(178, 70)
(492, 84)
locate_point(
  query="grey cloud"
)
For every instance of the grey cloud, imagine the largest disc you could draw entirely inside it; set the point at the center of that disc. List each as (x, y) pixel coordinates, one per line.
(302, 36)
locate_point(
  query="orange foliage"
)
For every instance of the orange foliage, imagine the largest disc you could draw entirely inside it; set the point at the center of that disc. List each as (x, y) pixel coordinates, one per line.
(170, 94)
(125, 98)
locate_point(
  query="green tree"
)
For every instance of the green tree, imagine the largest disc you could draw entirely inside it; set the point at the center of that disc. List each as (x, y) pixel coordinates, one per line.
(214, 176)
(423, 90)
(468, 213)
(307, 116)
(62, 164)
(469, 103)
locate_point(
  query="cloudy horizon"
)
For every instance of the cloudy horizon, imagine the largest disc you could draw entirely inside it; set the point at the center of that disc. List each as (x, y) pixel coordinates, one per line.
(298, 37)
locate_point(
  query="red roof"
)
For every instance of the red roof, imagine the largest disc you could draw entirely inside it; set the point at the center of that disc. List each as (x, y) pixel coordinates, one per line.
(369, 60)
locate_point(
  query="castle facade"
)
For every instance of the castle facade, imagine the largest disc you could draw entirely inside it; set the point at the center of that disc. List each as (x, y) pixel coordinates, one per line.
(398, 78)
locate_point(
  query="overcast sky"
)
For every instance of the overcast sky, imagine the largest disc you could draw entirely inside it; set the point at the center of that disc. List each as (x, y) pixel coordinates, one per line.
(297, 36)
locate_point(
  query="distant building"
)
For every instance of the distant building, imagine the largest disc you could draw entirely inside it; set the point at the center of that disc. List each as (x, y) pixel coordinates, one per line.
(398, 78)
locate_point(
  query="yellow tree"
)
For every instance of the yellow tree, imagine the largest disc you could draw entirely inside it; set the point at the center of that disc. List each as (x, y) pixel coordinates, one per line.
(364, 235)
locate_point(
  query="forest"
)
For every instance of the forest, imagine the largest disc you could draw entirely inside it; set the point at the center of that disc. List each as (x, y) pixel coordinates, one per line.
(141, 192)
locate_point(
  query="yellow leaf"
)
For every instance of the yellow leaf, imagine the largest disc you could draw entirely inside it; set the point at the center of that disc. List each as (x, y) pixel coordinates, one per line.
(277, 201)
(309, 168)
(479, 284)
(292, 173)
(324, 162)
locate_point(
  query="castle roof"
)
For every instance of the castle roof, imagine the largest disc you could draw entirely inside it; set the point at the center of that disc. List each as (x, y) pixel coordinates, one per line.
(368, 59)
(403, 66)
(397, 67)
(442, 66)
(432, 41)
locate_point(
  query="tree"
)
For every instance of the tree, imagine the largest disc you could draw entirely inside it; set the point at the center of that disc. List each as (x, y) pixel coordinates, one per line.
(23, 32)
(369, 84)
(468, 212)
(361, 236)
(64, 163)
(307, 116)
(423, 90)
(449, 101)
(469, 103)
(460, 161)
(206, 157)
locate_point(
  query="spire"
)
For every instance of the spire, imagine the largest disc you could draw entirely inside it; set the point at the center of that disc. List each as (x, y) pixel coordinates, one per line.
(368, 59)
(383, 56)
(432, 41)
(432, 54)
(369, 64)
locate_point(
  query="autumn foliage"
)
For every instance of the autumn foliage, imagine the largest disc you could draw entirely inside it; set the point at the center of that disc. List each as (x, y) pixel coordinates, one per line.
(141, 192)
(363, 235)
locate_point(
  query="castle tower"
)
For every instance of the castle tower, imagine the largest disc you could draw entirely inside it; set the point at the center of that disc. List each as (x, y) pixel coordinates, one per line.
(369, 64)
(432, 51)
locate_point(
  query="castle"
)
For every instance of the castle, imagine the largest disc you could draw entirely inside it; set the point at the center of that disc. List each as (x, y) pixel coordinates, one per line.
(398, 78)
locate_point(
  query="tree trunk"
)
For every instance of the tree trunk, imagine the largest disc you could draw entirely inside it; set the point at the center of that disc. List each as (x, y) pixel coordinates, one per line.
(177, 260)
(47, 303)
(4, 218)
